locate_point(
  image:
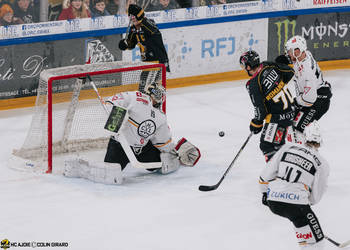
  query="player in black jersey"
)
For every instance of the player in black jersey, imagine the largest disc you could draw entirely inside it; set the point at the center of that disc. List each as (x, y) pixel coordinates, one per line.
(145, 34)
(272, 100)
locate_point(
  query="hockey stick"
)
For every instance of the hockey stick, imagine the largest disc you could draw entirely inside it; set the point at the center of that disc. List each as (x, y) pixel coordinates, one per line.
(340, 245)
(213, 187)
(122, 140)
(128, 29)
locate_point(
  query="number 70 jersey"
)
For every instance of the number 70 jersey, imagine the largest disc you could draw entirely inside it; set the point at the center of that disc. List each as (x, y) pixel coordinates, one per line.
(270, 92)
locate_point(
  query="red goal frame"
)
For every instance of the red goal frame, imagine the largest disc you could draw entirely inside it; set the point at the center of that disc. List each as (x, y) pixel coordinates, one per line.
(54, 78)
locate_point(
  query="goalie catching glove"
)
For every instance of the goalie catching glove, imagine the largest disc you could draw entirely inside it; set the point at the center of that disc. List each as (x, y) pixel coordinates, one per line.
(188, 153)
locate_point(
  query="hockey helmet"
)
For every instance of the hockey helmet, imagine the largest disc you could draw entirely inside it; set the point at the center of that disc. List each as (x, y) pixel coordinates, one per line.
(155, 91)
(296, 42)
(249, 58)
(312, 133)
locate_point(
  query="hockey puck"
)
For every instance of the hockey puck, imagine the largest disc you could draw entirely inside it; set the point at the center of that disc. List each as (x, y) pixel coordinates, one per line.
(221, 133)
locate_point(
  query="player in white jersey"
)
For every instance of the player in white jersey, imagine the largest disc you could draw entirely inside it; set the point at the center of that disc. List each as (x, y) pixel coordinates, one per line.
(313, 94)
(294, 179)
(146, 130)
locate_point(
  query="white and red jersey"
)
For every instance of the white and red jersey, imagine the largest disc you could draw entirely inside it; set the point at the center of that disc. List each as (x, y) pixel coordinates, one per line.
(309, 79)
(296, 174)
(145, 123)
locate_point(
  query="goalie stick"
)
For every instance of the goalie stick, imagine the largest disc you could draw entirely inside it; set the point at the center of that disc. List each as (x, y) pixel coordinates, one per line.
(205, 188)
(122, 140)
(340, 245)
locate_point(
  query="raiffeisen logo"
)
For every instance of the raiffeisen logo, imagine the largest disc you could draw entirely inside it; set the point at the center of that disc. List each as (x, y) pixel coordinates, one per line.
(324, 2)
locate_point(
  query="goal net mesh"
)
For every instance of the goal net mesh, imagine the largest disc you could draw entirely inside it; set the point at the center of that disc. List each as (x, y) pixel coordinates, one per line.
(68, 116)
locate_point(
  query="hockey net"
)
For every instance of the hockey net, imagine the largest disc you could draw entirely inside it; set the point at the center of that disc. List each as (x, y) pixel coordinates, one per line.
(68, 118)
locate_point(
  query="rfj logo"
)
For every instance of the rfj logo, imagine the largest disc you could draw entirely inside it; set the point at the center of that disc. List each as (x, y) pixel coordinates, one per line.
(223, 46)
(285, 30)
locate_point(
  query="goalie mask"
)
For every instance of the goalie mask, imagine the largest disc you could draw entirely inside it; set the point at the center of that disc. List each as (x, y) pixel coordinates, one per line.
(156, 92)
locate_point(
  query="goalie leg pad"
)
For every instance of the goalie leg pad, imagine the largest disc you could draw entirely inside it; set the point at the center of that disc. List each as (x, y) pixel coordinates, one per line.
(104, 172)
(74, 167)
(188, 153)
(170, 163)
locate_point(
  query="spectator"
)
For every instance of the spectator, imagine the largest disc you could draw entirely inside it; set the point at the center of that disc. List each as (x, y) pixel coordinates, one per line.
(6, 16)
(163, 5)
(24, 10)
(74, 9)
(216, 2)
(99, 9)
(87, 4)
(185, 3)
(113, 7)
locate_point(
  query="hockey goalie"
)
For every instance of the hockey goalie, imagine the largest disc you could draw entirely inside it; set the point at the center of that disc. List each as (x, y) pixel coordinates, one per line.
(141, 136)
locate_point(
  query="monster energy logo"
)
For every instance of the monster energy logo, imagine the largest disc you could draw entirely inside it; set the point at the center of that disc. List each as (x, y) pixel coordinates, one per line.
(284, 25)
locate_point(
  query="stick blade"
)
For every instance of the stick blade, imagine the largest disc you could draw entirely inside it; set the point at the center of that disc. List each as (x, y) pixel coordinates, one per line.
(345, 244)
(204, 188)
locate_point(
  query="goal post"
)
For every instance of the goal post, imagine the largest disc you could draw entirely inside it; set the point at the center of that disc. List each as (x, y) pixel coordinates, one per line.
(68, 118)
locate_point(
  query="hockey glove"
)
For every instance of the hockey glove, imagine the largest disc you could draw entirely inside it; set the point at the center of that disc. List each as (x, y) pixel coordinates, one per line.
(123, 45)
(256, 126)
(282, 59)
(136, 11)
(264, 199)
(188, 153)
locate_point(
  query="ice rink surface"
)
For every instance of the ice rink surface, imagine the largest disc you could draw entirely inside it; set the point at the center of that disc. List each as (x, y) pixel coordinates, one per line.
(154, 212)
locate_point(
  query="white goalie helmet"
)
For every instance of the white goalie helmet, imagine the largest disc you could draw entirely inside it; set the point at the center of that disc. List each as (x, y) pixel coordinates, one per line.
(156, 91)
(296, 42)
(313, 133)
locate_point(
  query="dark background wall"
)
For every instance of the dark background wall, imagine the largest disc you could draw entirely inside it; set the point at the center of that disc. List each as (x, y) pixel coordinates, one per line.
(327, 35)
(20, 65)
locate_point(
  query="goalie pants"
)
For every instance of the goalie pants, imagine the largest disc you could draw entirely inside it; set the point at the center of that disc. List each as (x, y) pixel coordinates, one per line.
(307, 115)
(299, 215)
(115, 153)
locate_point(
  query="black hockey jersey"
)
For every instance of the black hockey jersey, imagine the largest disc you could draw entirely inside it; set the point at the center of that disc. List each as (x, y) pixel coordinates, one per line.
(269, 93)
(150, 41)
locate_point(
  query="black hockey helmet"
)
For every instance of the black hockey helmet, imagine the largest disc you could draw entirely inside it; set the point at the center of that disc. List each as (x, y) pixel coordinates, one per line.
(250, 58)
